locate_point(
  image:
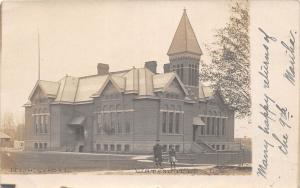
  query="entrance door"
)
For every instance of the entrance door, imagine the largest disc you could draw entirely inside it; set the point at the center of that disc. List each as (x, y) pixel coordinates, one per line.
(79, 131)
(194, 132)
(80, 148)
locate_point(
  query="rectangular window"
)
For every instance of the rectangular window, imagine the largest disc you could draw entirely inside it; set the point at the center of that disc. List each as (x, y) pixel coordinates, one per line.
(207, 126)
(42, 120)
(98, 147)
(46, 120)
(218, 126)
(119, 147)
(177, 147)
(112, 147)
(193, 75)
(127, 127)
(40, 146)
(164, 122)
(223, 147)
(127, 122)
(46, 128)
(105, 147)
(36, 146)
(213, 126)
(171, 122)
(190, 75)
(99, 122)
(181, 72)
(42, 124)
(37, 123)
(36, 129)
(106, 123)
(177, 123)
(113, 122)
(41, 128)
(119, 127)
(202, 132)
(45, 145)
(223, 126)
(218, 147)
(126, 148)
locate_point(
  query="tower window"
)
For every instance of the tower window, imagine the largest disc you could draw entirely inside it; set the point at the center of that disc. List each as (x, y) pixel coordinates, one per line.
(190, 75)
(193, 75)
(213, 126)
(181, 72)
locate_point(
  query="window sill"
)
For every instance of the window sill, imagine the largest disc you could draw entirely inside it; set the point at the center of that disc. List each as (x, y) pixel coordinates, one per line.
(171, 134)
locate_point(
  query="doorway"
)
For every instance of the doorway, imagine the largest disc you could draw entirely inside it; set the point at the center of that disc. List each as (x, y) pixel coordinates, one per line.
(80, 148)
(194, 132)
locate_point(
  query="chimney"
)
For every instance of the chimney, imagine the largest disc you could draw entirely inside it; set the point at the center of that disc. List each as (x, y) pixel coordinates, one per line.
(166, 67)
(102, 68)
(151, 65)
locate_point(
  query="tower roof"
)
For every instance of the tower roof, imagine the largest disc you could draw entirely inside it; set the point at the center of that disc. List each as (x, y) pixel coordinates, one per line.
(184, 39)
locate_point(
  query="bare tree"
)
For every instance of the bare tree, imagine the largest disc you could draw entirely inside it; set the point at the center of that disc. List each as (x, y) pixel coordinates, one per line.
(8, 120)
(229, 71)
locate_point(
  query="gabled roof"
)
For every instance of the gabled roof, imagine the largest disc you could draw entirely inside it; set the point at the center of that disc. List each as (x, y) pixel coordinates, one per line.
(184, 39)
(88, 86)
(48, 88)
(140, 81)
(118, 82)
(67, 89)
(162, 81)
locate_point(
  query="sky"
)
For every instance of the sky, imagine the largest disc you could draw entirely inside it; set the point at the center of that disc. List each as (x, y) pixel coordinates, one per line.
(76, 35)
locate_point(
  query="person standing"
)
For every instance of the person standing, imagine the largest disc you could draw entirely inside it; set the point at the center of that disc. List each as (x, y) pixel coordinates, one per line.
(157, 150)
(172, 157)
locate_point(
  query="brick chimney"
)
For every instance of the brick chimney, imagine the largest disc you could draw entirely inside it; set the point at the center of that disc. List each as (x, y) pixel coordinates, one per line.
(151, 65)
(166, 67)
(102, 68)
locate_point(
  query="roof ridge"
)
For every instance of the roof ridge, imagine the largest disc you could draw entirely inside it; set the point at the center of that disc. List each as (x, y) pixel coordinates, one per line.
(77, 86)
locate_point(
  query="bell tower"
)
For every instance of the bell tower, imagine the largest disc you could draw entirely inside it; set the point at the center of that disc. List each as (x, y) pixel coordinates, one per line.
(184, 55)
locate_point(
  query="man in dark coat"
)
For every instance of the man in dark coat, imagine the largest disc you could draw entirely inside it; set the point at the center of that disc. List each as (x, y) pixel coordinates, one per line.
(157, 150)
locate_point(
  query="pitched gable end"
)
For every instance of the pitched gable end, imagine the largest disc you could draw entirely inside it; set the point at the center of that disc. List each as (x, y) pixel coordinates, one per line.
(175, 83)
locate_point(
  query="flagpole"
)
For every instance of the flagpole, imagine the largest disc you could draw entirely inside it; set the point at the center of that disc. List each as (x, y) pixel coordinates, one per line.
(39, 57)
